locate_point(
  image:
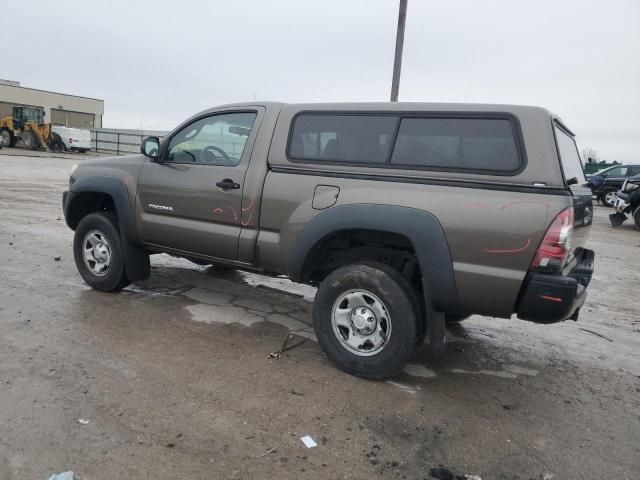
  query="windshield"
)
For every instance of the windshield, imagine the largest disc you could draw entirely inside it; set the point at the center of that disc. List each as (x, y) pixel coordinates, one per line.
(569, 156)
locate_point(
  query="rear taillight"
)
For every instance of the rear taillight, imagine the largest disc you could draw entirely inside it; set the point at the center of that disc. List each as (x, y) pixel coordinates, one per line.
(555, 247)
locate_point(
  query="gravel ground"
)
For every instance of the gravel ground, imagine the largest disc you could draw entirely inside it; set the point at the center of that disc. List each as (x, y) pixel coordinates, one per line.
(173, 378)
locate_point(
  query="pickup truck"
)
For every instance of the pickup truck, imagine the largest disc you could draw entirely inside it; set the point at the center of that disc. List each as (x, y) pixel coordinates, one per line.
(74, 139)
(406, 216)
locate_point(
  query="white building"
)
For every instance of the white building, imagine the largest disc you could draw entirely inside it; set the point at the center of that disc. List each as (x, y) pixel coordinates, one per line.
(59, 108)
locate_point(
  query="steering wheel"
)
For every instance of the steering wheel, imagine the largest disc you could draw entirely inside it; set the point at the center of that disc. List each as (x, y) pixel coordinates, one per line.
(214, 154)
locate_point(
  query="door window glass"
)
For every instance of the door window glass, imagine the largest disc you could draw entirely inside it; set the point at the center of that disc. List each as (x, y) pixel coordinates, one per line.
(216, 140)
(617, 172)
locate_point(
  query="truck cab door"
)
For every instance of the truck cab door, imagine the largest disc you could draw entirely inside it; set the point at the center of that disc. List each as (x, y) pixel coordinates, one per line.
(190, 200)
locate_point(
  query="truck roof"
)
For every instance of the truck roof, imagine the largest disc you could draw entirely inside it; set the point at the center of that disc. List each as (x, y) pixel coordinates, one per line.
(394, 106)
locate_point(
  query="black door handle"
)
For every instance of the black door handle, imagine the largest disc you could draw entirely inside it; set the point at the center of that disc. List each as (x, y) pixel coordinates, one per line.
(228, 184)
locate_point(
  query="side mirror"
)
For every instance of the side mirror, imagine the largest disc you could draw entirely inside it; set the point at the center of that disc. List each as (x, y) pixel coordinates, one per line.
(150, 147)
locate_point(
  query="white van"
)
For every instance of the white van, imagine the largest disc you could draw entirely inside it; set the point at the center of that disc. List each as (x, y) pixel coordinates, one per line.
(74, 138)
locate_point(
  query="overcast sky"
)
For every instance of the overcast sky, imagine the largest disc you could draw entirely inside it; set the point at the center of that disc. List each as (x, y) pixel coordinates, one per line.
(154, 63)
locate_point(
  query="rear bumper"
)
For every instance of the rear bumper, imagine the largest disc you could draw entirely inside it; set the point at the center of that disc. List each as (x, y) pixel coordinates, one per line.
(547, 298)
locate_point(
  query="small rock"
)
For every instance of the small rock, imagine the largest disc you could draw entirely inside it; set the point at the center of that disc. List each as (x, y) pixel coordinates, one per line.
(170, 445)
(10, 243)
(373, 461)
(57, 258)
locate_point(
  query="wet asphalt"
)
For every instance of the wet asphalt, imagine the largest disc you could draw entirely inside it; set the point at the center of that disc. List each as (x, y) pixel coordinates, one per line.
(174, 379)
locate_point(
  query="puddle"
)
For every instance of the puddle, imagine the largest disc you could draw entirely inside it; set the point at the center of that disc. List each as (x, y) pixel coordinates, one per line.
(202, 312)
(158, 291)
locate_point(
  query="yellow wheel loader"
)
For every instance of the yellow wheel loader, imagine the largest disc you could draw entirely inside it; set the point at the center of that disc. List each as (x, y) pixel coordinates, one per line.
(27, 125)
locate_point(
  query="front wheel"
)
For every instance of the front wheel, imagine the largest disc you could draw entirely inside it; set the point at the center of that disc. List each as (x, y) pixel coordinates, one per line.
(6, 139)
(636, 217)
(609, 198)
(98, 252)
(366, 319)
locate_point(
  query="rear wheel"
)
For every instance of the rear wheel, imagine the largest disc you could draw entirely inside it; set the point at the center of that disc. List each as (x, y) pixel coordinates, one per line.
(366, 319)
(55, 144)
(636, 217)
(30, 140)
(609, 198)
(6, 139)
(98, 252)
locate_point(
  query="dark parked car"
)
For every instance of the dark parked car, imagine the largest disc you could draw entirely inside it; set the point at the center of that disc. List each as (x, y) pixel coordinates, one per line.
(607, 182)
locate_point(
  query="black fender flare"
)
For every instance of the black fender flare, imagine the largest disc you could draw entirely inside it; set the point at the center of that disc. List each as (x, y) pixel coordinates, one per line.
(424, 231)
(135, 257)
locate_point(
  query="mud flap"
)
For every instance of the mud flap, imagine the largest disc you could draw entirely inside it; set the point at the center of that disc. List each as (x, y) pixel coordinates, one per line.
(617, 219)
(136, 260)
(436, 324)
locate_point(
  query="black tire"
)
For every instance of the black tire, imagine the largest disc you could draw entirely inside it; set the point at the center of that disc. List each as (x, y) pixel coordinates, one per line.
(6, 139)
(604, 200)
(30, 140)
(636, 217)
(55, 144)
(106, 223)
(399, 301)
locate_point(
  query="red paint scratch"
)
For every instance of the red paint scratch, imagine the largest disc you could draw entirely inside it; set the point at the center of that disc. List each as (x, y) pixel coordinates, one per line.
(517, 202)
(510, 250)
(248, 207)
(246, 222)
(553, 299)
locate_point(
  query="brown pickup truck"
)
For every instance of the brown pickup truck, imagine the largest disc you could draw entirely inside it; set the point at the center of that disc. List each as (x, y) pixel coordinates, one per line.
(405, 215)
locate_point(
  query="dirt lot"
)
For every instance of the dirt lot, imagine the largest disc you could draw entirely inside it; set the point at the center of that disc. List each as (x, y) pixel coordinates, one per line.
(174, 379)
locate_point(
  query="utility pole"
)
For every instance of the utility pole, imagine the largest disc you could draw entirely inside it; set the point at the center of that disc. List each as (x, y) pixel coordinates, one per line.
(397, 62)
